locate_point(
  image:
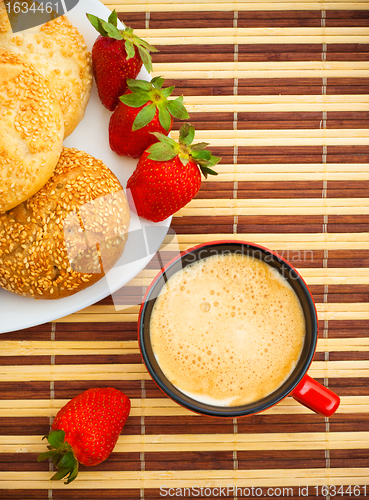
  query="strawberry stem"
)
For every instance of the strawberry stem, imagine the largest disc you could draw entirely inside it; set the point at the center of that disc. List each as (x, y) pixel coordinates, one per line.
(167, 148)
(110, 29)
(143, 92)
(62, 456)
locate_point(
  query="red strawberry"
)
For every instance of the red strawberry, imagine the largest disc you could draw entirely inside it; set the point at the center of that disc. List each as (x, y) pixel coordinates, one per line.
(168, 175)
(86, 430)
(117, 55)
(143, 109)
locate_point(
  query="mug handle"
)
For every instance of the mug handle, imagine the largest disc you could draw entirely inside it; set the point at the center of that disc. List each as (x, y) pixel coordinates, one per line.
(315, 396)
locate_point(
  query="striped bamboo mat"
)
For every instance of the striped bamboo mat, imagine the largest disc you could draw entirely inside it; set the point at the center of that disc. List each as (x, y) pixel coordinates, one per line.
(279, 88)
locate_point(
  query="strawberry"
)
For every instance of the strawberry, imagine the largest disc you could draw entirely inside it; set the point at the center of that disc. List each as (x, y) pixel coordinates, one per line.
(86, 430)
(168, 176)
(117, 55)
(143, 109)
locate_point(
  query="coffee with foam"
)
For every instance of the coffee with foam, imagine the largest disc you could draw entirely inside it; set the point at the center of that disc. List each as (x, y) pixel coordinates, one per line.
(227, 330)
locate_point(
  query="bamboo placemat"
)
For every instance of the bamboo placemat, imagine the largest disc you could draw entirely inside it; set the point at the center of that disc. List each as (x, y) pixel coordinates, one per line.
(280, 91)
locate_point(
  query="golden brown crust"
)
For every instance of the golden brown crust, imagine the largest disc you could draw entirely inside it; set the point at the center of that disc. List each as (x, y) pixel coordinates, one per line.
(68, 235)
(31, 130)
(4, 19)
(60, 53)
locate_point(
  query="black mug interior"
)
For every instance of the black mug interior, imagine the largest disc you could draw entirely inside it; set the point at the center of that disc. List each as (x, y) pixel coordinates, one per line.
(218, 248)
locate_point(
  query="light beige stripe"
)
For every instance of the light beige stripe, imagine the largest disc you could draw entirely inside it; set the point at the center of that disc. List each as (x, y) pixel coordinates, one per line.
(148, 408)
(265, 65)
(291, 168)
(193, 100)
(189, 479)
(67, 348)
(95, 372)
(236, 5)
(325, 312)
(74, 372)
(159, 41)
(288, 137)
(290, 248)
(265, 69)
(102, 348)
(207, 442)
(282, 202)
(295, 172)
(275, 103)
(119, 318)
(283, 242)
(281, 176)
(116, 317)
(264, 32)
(195, 239)
(215, 36)
(271, 206)
(299, 133)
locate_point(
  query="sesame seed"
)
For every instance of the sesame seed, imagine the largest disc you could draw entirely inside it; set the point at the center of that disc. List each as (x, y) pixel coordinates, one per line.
(40, 265)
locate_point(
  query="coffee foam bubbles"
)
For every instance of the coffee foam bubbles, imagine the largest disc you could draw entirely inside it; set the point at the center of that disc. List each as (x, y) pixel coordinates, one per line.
(227, 330)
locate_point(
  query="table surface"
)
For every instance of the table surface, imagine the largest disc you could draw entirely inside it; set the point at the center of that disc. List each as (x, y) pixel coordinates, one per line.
(280, 91)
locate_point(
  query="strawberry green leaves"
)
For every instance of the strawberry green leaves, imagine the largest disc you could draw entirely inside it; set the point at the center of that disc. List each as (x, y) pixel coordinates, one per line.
(131, 41)
(62, 456)
(106, 28)
(167, 149)
(144, 116)
(143, 92)
(165, 117)
(187, 134)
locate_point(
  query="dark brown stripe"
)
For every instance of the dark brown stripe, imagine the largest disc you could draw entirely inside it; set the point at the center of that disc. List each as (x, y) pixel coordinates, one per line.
(69, 389)
(246, 492)
(98, 359)
(41, 332)
(247, 53)
(25, 426)
(260, 121)
(24, 360)
(347, 18)
(96, 494)
(24, 390)
(355, 55)
(19, 495)
(348, 356)
(96, 331)
(259, 86)
(346, 386)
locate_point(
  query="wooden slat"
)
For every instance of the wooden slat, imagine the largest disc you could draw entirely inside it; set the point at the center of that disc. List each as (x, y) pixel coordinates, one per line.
(321, 206)
(205, 6)
(213, 442)
(74, 348)
(319, 369)
(247, 70)
(280, 91)
(299, 137)
(217, 36)
(127, 480)
(276, 103)
(154, 407)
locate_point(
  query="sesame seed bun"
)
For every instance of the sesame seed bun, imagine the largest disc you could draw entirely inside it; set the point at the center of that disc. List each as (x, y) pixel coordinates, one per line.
(60, 53)
(4, 20)
(69, 234)
(31, 130)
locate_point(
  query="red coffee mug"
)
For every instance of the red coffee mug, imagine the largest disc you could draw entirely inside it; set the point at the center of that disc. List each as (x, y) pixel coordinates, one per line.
(299, 385)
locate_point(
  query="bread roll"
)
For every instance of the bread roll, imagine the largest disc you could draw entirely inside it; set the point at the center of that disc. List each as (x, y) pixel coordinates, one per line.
(31, 130)
(59, 52)
(4, 19)
(68, 235)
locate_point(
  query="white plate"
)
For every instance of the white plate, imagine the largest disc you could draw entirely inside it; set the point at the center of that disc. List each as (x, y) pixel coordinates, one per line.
(91, 135)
